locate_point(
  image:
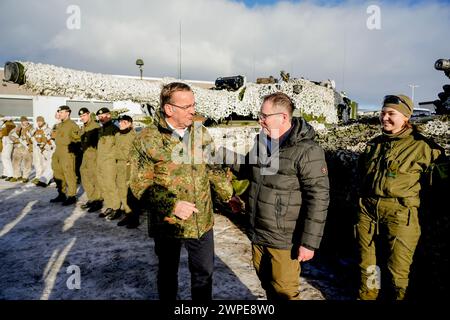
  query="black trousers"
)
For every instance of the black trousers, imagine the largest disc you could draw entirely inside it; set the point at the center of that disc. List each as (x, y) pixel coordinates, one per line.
(200, 260)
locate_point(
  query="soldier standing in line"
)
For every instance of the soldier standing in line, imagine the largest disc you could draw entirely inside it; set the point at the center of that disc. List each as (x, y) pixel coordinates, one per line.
(106, 164)
(22, 150)
(43, 148)
(89, 141)
(67, 136)
(124, 141)
(6, 128)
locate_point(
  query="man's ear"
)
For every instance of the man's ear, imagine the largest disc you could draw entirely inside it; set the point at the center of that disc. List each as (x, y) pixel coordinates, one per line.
(168, 110)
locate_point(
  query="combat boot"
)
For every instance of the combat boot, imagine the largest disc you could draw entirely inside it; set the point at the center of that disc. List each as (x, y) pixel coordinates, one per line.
(124, 221)
(87, 205)
(35, 181)
(3, 177)
(115, 214)
(41, 184)
(105, 213)
(12, 179)
(95, 206)
(24, 180)
(134, 221)
(69, 201)
(60, 198)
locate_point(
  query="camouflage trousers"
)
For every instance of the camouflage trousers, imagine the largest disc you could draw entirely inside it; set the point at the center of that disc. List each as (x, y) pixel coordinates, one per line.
(387, 234)
(22, 160)
(42, 161)
(8, 170)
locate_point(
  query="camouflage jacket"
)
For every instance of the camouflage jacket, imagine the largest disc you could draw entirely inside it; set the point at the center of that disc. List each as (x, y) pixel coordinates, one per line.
(166, 168)
(41, 138)
(21, 137)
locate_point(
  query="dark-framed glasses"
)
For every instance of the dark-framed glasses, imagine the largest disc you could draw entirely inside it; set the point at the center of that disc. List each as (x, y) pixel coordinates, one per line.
(192, 106)
(264, 116)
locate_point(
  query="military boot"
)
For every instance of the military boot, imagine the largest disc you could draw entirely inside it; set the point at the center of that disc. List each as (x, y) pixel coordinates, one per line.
(87, 205)
(60, 198)
(115, 214)
(12, 179)
(124, 221)
(35, 181)
(133, 222)
(41, 184)
(69, 201)
(105, 213)
(95, 206)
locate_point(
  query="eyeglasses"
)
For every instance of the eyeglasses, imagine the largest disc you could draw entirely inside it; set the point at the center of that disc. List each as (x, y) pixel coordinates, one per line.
(394, 100)
(192, 106)
(264, 116)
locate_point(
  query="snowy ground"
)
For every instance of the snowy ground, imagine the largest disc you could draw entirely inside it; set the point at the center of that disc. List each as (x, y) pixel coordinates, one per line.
(43, 244)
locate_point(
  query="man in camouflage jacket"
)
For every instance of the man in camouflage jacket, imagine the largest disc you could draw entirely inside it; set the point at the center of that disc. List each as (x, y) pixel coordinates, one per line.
(171, 175)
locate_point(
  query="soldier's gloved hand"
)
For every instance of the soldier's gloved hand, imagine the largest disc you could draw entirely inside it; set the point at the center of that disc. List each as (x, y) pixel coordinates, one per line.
(184, 209)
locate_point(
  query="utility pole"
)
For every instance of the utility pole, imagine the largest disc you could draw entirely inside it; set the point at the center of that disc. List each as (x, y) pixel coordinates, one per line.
(412, 86)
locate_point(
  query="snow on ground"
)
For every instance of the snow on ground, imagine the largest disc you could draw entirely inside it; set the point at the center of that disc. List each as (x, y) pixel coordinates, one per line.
(42, 245)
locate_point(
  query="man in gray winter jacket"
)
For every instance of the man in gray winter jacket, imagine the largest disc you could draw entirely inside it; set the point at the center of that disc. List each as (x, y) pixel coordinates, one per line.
(288, 196)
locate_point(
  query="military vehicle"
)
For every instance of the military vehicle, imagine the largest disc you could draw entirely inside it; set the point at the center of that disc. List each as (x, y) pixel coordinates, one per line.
(316, 101)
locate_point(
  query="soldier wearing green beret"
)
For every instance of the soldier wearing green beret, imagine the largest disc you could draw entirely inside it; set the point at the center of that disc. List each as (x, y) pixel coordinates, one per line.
(67, 139)
(106, 165)
(88, 168)
(124, 141)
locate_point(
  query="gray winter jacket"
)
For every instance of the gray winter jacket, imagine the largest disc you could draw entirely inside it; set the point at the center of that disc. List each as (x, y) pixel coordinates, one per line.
(289, 207)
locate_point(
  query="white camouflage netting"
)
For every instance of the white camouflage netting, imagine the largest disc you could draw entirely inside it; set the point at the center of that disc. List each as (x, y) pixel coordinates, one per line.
(49, 80)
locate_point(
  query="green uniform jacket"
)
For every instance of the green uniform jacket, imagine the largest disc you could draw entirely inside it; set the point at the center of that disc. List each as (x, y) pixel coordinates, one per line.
(89, 136)
(67, 135)
(106, 141)
(162, 173)
(392, 166)
(124, 141)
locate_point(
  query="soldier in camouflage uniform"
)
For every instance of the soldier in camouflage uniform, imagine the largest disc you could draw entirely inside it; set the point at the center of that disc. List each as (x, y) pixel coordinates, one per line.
(6, 128)
(106, 164)
(43, 148)
(67, 139)
(22, 156)
(124, 141)
(392, 169)
(172, 179)
(88, 169)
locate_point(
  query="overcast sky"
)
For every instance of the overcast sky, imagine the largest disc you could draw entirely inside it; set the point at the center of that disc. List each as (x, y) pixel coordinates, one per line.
(317, 40)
